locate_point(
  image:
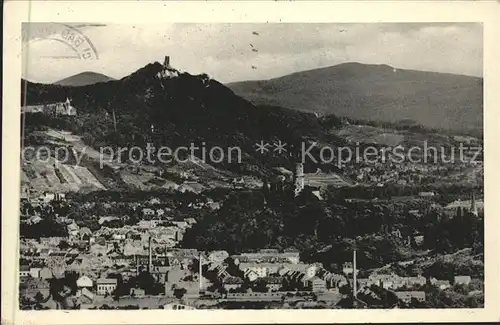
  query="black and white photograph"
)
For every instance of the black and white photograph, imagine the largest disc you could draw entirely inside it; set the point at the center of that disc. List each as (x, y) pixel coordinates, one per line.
(250, 166)
(268, 166)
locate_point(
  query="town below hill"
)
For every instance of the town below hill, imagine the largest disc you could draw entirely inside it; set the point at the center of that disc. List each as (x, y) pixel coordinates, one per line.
(111, 231)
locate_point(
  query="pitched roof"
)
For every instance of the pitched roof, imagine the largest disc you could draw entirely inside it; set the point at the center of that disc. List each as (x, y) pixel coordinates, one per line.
(232, 280)
(107, 281)
(462, 277)
(273, 279)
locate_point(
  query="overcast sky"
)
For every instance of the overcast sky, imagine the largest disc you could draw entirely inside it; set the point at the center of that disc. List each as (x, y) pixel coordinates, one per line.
(236, 52)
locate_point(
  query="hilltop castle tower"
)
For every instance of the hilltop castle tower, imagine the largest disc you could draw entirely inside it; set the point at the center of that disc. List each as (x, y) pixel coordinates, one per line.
(167, 71)
(299, 178)
(166, 63)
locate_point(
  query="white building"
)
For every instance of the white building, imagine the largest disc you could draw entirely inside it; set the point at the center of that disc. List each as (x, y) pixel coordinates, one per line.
(106, 286)
(35, 272)
(84, 282)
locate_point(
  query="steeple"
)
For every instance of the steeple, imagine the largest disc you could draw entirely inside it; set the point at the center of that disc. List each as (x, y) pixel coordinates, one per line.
(299, 178)
(473, 205)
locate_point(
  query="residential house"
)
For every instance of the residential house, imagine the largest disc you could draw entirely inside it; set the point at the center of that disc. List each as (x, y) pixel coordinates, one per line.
(148, 224)
(86, 296)
(154, 201)
(174, 306)
(441, 284)
(24, 271)
(137, 292)
(119, 236)
(262, 269)
(251, 275)
(315, 284)
(84, 282)
(335, 281)
(347, 268)
(148, 212)
(175, 275)
(132, 235)
(45, 273)
(270, 255)
(220, 269)
(386, 281)
(218, 256)
(35, 272)
(85, 233)
(255, 296)
(414, 281)
(292, 256)
(407, 296)
(273, 283)
(232, 283)
(311, 270)
(103, 220)
(98, 249)
(106, 286)
(73, 230)
(180, 224)
(364, 282)
(160, 273)
(462, 279)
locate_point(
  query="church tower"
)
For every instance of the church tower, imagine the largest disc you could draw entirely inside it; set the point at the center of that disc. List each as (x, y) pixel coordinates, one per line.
(299, 178)
(473, 205)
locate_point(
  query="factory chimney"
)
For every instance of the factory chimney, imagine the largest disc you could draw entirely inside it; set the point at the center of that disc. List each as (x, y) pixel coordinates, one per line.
(201, 273)
(150, 255)
(354, 275)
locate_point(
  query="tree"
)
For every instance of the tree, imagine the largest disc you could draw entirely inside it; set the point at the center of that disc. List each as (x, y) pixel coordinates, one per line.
(39, 297)
(179, 293)
(260, 286)
(63, 245)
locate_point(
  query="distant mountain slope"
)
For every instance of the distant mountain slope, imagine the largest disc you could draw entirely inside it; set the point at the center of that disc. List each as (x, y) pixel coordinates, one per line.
(84, 79)
(375, 92)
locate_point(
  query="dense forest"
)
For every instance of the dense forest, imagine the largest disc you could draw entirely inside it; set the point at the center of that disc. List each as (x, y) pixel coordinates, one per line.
(255, 219)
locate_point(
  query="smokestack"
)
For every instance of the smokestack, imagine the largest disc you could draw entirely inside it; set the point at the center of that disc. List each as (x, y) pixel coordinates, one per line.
(201, 274)
(150, 265)
(166, 257)
(354, 275)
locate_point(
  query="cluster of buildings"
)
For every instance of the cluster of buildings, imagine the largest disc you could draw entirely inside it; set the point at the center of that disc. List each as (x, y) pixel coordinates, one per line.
(266, 275)
(54, 109)
(406, 173)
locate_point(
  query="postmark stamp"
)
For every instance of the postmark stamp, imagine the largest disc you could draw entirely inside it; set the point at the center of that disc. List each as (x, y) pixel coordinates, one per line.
(80, 45)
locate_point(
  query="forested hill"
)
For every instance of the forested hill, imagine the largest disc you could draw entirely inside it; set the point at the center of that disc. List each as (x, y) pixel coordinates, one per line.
(182, 108)
(84, 79)
(376, 92)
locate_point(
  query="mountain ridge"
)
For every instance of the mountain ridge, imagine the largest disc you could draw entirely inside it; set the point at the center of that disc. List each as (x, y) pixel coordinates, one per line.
(83, 79)
(375, 92)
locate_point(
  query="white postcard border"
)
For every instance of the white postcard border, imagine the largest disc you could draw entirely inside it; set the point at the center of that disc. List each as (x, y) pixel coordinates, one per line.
(487, 12)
